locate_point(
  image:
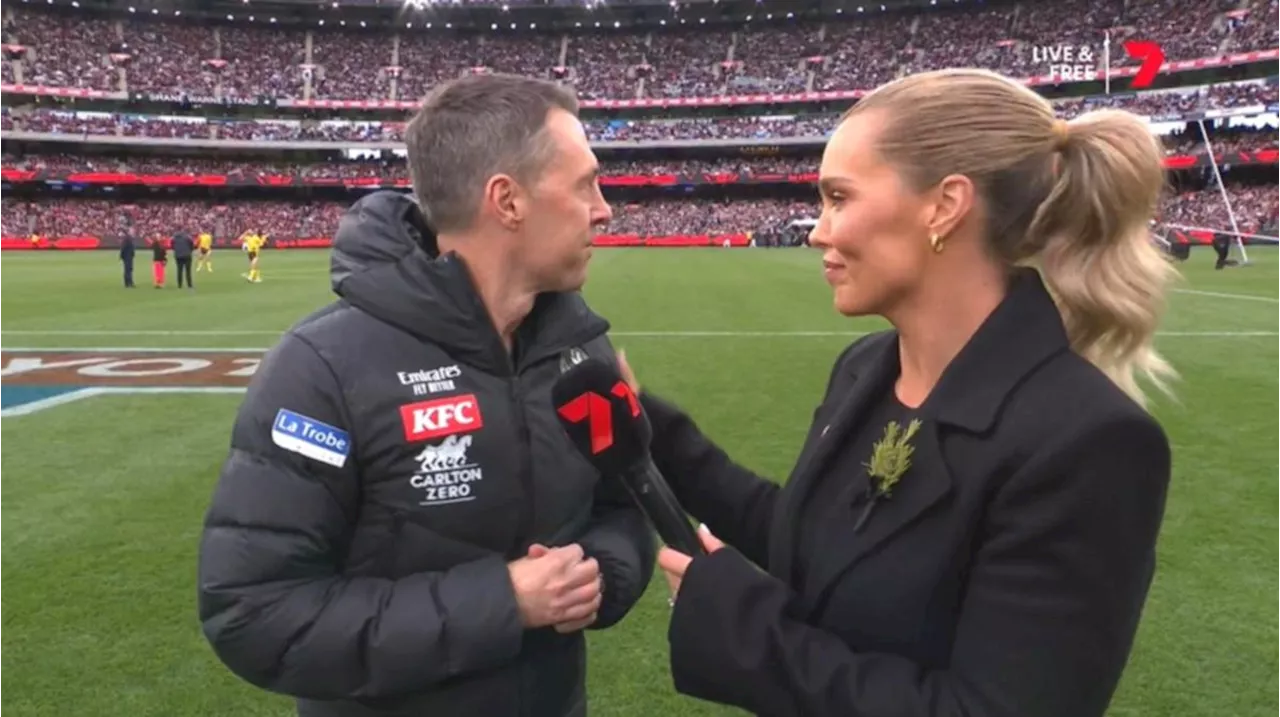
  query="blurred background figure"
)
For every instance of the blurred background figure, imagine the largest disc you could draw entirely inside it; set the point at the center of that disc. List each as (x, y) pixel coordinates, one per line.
(159, 258)
(183, 249)
(204, 243)
(127, 251)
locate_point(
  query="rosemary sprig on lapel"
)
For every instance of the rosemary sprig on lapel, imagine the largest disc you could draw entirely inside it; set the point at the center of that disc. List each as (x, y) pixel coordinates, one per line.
(890, 459)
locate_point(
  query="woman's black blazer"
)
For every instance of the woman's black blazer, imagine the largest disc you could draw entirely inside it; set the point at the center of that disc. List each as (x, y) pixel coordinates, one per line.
(1003, 578)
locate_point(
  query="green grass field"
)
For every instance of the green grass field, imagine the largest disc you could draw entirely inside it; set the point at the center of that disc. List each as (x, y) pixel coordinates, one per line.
(103, 497)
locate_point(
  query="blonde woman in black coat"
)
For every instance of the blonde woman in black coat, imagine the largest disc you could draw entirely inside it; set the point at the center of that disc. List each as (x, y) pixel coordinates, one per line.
(971, 526)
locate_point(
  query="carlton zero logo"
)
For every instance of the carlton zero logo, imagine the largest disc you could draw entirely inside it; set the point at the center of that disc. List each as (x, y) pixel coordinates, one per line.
(445, 475)
(426, 420)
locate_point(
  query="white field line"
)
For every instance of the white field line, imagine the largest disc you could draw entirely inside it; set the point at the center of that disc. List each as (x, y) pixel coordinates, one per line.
(25, 409)
(201, 332)
(1222, 295)
(139, 332)
(613, 334)
(639, 334)
(136, 350)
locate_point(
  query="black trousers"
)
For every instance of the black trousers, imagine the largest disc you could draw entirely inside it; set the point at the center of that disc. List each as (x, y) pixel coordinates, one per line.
(184, 269)
(128, 272)
(1222, 246)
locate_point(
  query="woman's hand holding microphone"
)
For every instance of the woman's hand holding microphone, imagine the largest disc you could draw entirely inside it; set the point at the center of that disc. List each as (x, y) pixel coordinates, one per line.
(674, 564)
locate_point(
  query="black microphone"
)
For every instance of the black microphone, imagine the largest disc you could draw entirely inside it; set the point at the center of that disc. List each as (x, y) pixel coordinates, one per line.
(604, 419)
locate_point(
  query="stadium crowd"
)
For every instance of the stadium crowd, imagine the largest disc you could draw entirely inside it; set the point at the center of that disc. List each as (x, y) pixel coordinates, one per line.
(107, 218)
(173, 57)
(235, 59)
(1158, 104)
(1255, 207)
(68, 164)
(1190, 142)
(1235, 139)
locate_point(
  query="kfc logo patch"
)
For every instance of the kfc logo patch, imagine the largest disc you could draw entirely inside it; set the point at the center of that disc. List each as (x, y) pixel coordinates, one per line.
(442, 417)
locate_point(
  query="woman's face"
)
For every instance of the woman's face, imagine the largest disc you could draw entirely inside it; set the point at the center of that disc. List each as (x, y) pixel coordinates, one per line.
(873, 230)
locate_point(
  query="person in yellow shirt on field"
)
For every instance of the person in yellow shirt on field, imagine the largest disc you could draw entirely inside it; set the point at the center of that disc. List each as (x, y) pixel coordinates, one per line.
(252, 243)
(204, 249)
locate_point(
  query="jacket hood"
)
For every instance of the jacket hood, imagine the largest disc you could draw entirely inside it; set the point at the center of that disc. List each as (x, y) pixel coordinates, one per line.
(386, 262)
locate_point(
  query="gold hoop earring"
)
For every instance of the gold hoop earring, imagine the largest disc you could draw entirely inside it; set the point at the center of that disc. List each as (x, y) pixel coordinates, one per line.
(936, 242)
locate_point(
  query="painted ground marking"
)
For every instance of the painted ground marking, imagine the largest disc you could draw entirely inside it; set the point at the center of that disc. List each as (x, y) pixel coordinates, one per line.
(35, 380)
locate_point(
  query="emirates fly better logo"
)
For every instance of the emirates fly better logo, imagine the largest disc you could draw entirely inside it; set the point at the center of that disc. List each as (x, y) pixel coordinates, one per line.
(1079, 63)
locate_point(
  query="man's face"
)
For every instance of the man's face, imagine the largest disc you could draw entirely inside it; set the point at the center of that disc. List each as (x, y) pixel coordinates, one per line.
(567, 209)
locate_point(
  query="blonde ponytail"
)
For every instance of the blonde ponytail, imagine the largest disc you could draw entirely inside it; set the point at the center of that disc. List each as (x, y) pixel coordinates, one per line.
(1098, 260)
(1073, 197)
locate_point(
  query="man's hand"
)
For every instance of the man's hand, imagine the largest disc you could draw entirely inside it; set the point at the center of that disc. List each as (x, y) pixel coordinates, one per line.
(557, 586)
(537, 551)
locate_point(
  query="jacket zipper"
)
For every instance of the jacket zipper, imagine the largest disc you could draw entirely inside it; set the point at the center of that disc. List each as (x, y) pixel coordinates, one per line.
(525, 526)
(524, 453)
(525, 457)
(525, 447)
(387, 553)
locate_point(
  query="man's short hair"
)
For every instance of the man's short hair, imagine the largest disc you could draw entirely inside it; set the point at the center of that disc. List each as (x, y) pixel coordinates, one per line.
(472, 128)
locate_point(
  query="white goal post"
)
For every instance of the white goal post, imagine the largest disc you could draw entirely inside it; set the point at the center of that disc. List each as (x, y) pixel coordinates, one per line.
(1222, 190)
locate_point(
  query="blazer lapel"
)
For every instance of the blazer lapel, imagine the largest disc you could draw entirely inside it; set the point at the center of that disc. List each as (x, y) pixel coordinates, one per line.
(875, 376)
(924, 484)
(1022, 333)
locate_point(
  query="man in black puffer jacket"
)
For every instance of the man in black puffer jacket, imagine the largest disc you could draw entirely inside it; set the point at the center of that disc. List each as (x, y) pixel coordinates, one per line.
(402, 526)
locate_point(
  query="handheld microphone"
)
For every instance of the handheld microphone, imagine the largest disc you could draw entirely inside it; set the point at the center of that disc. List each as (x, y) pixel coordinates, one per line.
(604, 419)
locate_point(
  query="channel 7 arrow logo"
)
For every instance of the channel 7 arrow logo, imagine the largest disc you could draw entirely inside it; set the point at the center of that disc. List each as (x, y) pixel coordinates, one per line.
(1152, 58)
(597, 411)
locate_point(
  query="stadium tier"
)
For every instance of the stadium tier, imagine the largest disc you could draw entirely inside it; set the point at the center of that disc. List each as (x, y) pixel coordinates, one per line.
(245, 58)
(1172, 104)
(91, 224)
(1243, 146)
(709, 126)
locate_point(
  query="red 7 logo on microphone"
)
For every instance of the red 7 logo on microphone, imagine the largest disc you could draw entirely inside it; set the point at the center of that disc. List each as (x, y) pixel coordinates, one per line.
(597, 411)
(622, 390)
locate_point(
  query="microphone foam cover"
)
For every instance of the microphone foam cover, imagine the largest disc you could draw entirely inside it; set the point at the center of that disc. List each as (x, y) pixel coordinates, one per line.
(602, 416)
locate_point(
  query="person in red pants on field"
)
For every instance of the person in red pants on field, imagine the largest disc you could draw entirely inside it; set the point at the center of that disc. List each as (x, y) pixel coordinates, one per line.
(159, 258)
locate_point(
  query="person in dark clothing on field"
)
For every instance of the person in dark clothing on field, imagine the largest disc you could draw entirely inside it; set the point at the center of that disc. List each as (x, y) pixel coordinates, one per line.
(183, 250)
(1222, 247)
(127, 250)
(402, 526)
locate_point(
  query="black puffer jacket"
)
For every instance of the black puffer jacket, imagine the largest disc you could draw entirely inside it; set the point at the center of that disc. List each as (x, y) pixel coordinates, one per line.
(388, 461)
